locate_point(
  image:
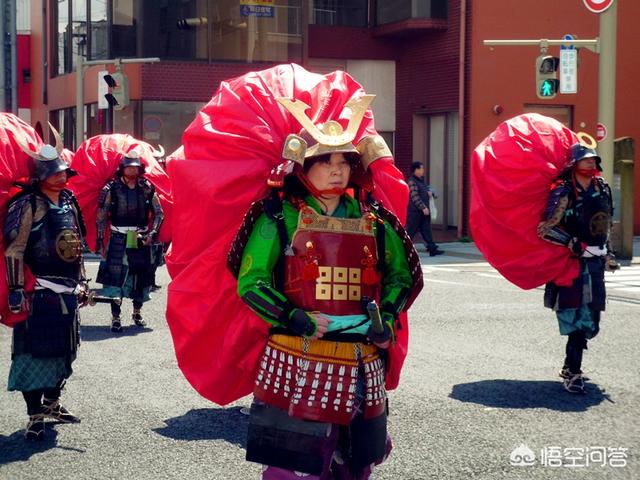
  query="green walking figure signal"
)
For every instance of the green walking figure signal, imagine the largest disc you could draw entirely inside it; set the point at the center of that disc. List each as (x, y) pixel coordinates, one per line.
(547, 82)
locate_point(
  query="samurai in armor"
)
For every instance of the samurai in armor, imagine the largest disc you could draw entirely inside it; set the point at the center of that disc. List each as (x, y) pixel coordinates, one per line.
(43, 231)
(578, 216)
(130, 205)
(316, 264)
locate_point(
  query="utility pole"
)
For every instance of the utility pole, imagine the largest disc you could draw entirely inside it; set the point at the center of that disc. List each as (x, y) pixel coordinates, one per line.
(81, 69)
(8, 57)
(607, 86)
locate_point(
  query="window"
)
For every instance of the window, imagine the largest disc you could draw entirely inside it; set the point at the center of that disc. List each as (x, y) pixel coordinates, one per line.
(350, 13)
(61, 30)
(389, 11)
(69, 29)
(164, 122)
(98, 31)
(64, 121)
(78, 30)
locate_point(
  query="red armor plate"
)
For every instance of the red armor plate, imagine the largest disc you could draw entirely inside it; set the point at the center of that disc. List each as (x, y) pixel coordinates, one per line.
(333, 265)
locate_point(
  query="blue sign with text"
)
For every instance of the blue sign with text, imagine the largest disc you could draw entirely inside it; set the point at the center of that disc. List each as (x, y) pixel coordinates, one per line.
(256, 11)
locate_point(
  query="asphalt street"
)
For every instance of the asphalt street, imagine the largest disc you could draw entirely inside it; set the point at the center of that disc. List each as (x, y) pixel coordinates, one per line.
(480, 381)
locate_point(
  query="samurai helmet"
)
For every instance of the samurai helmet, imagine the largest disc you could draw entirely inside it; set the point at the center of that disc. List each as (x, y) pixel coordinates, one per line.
(130, 159)
(48, 160)
(319, 139)
(585, 148)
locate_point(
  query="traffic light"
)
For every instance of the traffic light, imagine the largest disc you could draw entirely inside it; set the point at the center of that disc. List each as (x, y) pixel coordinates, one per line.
(118, 96)
(547, 82)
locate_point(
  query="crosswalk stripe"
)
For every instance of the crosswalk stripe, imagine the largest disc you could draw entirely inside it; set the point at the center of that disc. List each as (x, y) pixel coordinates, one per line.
(627, 279)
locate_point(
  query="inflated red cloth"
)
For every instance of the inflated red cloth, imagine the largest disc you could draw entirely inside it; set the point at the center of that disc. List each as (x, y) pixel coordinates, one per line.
(512, 171)
(97, 160)
(14, 167)
(229, 150)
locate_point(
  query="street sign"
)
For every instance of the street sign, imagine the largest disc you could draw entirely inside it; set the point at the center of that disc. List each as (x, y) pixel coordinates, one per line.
(103, 89)
(597, 6)
(257, 8)
(568, 71)
(568, 36)
(601, 132)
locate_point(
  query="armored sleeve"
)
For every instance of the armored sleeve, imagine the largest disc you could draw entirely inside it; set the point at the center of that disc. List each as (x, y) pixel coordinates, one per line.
(414, 195)
(104, 204)
(255, 279)
(17, 228)
(551, 228)
(81, 226)
(78, 212)
(158, 214)
(396, 276)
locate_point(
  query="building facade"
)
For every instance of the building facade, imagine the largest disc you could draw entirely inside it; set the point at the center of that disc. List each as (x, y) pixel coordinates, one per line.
(436, 83)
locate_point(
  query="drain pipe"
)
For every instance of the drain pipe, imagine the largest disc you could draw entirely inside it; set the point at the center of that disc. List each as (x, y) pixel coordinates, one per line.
(461, 116)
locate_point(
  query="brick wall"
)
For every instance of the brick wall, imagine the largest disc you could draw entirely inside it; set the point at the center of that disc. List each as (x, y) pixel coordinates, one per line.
(427, 80)
(189, 82)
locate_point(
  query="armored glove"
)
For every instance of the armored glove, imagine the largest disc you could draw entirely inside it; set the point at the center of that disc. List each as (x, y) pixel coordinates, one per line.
(301, 323)
(577, 247)
(610, 263)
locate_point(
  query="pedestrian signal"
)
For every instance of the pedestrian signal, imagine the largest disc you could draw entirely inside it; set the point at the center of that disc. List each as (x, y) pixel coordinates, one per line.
(547, 82)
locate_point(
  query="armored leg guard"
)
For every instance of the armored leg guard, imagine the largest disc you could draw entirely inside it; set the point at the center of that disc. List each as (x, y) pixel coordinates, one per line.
(136, 316)
(574, 383)
(53, 409)
(116, 325)
(35, 428)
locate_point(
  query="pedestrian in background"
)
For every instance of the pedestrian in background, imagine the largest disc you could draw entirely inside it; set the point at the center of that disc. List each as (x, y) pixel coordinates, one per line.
(418, 213)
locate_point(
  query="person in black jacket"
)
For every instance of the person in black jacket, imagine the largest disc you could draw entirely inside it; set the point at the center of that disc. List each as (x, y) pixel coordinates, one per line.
(418, 214)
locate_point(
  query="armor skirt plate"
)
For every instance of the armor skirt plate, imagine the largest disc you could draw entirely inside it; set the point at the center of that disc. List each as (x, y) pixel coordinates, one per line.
(317, 379)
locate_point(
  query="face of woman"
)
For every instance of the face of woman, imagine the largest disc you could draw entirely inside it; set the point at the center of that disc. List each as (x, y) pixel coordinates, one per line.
(332, 172)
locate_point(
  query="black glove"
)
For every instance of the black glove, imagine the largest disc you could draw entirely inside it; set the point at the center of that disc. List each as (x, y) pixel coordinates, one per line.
(577, 247)
(17, 300)
(301, 323)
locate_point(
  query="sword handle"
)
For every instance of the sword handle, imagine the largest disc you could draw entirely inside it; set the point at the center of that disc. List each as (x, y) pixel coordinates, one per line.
(374, 314)
(93, 298)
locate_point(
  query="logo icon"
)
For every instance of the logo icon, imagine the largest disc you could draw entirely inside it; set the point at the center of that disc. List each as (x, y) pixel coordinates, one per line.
(522, 456)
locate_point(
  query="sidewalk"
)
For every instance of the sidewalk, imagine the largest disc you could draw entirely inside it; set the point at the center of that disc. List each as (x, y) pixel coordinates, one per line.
(468, 250)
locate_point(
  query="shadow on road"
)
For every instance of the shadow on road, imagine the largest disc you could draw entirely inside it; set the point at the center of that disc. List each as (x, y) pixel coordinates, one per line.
(15, 448)
(527, 394)
(208, 424)
(96, 333)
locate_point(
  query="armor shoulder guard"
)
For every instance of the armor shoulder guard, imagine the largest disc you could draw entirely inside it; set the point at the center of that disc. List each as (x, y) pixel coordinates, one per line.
(71, 198)
(234, 257)
(412, 256)
(105, 190)
(606, 189)
(558, 201)
(15, 210)
(147, 187)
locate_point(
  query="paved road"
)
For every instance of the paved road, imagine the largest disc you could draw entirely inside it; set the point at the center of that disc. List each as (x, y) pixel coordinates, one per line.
(479, 382)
